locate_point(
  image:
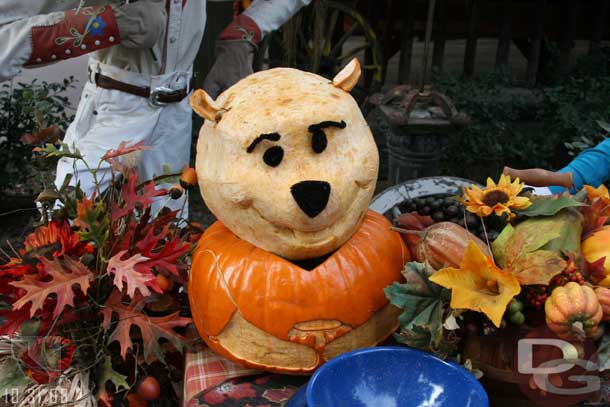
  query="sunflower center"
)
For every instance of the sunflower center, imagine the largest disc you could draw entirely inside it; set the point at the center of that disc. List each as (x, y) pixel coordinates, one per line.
(494, 197)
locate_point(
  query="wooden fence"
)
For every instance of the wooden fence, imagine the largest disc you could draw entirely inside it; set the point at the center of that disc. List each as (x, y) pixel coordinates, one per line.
(527, 23)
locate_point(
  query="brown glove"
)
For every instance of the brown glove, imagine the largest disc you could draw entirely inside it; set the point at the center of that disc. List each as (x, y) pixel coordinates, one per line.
(234, 55)
(141, 24)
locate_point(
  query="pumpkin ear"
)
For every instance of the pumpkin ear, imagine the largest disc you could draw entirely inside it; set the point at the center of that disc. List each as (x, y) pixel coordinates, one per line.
(348, 77)
(205, 106)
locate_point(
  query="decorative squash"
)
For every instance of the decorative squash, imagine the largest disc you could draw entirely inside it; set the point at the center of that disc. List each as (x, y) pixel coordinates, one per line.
(443, 245)
(573, 312)
(596, 246)
(265, 312)
(603, 296)
(286, 160)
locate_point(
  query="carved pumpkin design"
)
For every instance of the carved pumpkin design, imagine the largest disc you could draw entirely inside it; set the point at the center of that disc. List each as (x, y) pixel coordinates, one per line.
(288, 165)
(286, 160)
(265, 312)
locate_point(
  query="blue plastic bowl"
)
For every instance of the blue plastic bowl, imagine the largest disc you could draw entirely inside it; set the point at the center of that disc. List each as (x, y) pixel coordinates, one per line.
(393, 377)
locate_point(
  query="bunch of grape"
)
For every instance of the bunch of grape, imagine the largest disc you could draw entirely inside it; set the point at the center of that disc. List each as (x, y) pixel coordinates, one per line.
(444, 208)
(568, 275)
(536, 295)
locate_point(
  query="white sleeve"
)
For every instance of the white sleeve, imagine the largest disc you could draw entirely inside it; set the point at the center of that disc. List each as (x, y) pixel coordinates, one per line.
(271, 14)
(17, 39)
(31, 39)
(15, 10)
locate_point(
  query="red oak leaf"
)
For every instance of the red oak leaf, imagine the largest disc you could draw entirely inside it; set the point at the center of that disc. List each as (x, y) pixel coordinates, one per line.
(151, 328)
(595, 271)
(131, 198)
(135, 278)
(123, 149)
(13, 320)
(595, 216)
(64, 274)
(162, 254)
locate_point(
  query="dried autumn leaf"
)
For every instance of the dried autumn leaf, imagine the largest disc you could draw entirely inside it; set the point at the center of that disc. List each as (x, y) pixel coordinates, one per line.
(537, 267)
(64, 273)
(125, 271)
(131, 198)
(151, 328)
(533, 250)
(47, 135)
(162, 255)
(123, 149)
(105, 374)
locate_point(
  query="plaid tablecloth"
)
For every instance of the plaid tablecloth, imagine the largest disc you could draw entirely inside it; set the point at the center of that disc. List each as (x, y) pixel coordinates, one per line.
(211, 380)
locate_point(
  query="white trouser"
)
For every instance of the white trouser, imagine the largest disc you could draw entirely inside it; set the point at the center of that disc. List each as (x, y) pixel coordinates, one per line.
(105, 117)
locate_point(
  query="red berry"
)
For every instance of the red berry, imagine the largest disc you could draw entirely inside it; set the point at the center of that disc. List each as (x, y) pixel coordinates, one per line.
(149, 388)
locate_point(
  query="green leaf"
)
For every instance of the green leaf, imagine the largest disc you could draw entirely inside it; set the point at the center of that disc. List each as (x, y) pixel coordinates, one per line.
(548, 207)
(498, 246)
(13, 379)
(421, 320)
(107, 373)
(64, 151)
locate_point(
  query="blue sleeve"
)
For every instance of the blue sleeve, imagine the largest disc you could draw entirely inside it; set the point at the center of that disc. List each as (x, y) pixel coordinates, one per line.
(591, 167)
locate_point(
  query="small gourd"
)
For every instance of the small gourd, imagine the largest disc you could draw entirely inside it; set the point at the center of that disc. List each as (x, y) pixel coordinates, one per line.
(603, 296)
(573, 312)
(443, 244)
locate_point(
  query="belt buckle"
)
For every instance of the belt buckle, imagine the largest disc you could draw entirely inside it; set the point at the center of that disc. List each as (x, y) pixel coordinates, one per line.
(153, 99)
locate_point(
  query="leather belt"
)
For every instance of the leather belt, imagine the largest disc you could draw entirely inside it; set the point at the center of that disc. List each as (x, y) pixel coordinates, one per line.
(160, 96)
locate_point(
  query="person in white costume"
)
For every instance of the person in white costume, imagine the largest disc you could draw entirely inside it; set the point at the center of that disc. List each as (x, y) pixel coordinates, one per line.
(140, 68)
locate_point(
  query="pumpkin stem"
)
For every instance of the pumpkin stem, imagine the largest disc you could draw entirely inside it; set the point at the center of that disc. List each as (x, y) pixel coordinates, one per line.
(578, 329)
(419, 233)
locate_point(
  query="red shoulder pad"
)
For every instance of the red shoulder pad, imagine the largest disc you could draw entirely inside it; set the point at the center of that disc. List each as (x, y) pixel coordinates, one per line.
(242, 28)
(89, 29)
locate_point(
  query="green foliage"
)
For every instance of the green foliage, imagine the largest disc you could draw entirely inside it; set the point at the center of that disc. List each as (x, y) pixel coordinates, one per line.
(548, 207)
(424, 309)
(525, 128)
(28, 109)
(492, 139)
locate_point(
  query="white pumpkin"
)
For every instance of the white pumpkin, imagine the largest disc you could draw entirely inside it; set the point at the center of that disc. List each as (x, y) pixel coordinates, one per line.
(286, 160)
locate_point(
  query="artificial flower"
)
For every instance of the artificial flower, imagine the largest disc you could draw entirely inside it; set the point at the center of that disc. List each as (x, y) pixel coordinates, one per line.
(479, 284)
(496, 198)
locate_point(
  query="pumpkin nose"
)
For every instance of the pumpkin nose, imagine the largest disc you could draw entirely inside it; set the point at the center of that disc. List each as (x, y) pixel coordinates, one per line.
(311, 196)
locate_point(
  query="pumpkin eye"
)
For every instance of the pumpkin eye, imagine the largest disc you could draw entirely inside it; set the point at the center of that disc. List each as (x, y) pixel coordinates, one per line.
(319, 141)
(273, 156)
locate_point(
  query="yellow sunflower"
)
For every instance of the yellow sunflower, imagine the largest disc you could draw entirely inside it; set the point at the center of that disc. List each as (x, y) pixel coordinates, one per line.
(496, 198)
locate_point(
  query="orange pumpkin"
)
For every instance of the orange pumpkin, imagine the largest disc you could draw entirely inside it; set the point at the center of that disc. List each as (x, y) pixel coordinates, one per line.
(603, 296)
(265, 312)
(573, 312)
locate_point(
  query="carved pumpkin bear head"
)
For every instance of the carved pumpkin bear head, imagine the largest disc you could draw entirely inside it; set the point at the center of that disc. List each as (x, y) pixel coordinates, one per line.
(286, 160)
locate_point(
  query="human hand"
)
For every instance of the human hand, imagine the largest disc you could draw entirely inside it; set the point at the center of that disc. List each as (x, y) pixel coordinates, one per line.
(537, 177)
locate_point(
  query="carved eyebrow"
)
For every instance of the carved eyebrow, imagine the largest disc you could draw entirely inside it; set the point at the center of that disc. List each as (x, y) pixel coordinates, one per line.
(267, 136)
(329, 123)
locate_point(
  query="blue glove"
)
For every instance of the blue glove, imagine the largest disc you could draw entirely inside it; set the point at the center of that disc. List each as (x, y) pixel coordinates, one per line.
(591, 167)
